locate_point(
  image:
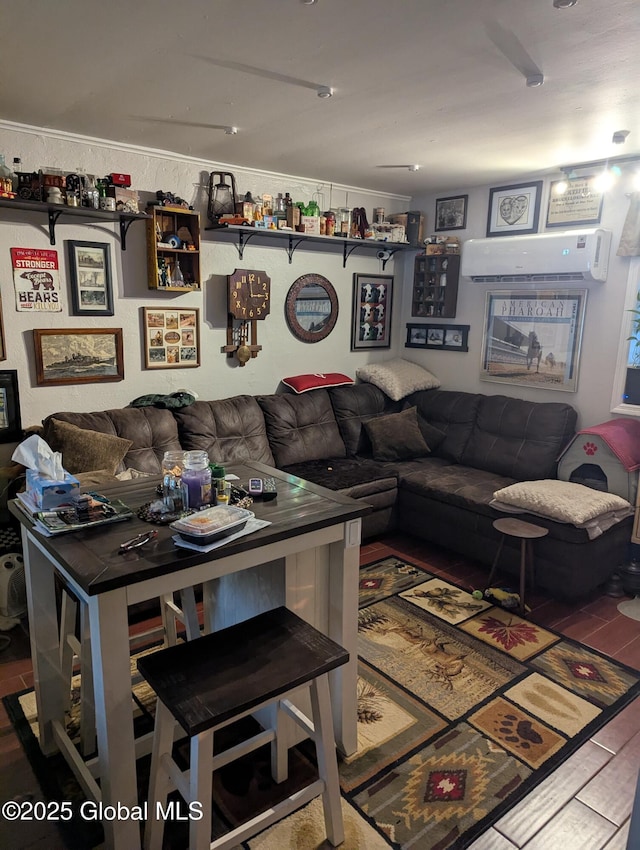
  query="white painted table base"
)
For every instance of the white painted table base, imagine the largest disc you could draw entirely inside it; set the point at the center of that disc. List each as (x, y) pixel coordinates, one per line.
(315, 574)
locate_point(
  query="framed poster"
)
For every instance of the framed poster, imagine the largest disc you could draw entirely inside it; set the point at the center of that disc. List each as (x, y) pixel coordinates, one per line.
(171, 337)
(36, 280)
(533, 338)
(578, 204)
(451, 213)
(514, 209)
(371, 312)
(90, 273)
(78, 356)
(10, 426)
(438, 337)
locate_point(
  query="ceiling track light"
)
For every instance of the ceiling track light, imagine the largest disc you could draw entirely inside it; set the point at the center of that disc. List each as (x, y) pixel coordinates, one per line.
(564, 4)
(620, 137)
(324, 91)
(535, 80)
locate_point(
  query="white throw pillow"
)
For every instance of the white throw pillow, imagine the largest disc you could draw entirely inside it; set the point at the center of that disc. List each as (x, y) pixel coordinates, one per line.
(398, 378)
(560, 500)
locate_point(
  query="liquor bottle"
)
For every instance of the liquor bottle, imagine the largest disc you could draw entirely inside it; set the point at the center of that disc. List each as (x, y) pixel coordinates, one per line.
(17, 166)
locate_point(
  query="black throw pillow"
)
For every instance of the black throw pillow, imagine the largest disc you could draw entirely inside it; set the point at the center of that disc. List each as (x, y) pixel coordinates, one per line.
(396, 436)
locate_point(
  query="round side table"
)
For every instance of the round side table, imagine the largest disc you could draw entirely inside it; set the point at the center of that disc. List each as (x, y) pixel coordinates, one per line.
(526, 532)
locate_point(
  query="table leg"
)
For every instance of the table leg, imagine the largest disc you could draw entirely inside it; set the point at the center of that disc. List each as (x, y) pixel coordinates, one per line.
(114, 714)
(48, 680)
(523, 574)
(494, 566)
(344, 567)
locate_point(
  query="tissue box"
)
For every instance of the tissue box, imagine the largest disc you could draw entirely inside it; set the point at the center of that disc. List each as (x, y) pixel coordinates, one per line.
(49, 494)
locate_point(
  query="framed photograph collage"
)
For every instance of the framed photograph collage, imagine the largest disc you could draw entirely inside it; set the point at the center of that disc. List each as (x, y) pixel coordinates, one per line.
(172, 337)
(438, 337)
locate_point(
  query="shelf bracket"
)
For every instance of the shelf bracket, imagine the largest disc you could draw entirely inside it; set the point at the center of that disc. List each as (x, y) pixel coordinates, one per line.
(292, 248)
(347, 252)
(125, 224)
(54, 215)
(243, 239)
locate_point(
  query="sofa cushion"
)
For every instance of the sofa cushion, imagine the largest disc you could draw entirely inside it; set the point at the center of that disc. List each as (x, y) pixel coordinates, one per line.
(344, 473)
(230, 430)
(301, 427)
(455, 484)
(398, 378)
(519, 439)
(433, 436)
(152, 431)
(85, 450)
(352, 407)
(396, 436)
(452, 412)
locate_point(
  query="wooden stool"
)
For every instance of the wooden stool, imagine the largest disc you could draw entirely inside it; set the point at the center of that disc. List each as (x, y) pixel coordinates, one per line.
(211, 682)
(526, 532)
(72, 647)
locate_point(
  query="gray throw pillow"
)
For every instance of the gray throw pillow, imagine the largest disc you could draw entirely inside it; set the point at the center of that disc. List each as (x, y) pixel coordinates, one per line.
(396, 436)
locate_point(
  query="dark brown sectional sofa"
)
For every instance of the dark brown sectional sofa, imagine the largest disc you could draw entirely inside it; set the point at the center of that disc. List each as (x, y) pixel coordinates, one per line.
(487, 442)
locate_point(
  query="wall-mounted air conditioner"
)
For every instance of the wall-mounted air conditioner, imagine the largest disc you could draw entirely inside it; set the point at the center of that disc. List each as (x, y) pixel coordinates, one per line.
(568, 256)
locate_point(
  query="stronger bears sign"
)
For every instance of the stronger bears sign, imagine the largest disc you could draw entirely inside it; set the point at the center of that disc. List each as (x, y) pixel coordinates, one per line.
(36, 280)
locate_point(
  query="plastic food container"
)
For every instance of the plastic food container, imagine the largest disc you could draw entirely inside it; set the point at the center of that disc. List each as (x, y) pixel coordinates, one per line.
(212, 524)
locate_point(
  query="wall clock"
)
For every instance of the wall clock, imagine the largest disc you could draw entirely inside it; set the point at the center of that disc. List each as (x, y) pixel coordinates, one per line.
(248, 300)
(311, 308)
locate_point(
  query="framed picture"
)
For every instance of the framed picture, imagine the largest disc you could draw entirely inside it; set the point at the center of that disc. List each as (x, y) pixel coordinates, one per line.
(578, 204)
(371, 313)
(10, 426)
(3, 350)
(171, 337)
(78, 356)
(90, 272)
(442, 337)
(514, 209)
(451, 213)
(533, 338)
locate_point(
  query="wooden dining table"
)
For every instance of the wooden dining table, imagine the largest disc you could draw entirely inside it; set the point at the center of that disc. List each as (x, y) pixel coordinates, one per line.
(307, 558)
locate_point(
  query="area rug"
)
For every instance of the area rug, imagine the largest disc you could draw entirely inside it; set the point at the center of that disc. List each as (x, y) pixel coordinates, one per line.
(463, 708)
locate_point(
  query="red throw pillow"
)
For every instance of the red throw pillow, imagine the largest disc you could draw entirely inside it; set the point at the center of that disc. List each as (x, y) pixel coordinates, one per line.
(303, 383)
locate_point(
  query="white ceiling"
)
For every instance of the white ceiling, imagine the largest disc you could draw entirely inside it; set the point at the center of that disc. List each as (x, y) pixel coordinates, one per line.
(439, 84)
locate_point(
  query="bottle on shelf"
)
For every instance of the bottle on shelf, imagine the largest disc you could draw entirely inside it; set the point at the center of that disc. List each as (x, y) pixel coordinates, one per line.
(17, 167)
(177, 278)
(7, 178)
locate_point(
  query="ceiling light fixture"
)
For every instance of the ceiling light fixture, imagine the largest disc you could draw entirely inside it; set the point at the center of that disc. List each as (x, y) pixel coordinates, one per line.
(231, 131)
(564, 4)
(325, 91)
(535, 80)
(308, 2)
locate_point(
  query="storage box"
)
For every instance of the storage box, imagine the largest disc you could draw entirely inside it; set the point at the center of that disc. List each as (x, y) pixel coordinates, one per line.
(49, 494)
(413, 223)
(311, 224)
(126, 199)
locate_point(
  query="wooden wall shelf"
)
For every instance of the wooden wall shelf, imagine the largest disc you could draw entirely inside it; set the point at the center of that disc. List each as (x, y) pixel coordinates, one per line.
(54, 212)
(292, 240)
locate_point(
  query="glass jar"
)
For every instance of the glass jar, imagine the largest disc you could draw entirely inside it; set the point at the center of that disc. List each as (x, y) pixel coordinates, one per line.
(172, 487)
(7, 177)
(345, 221)
(196, 478)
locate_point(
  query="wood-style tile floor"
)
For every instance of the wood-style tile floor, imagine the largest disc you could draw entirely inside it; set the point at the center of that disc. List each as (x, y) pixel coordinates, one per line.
(584, 805)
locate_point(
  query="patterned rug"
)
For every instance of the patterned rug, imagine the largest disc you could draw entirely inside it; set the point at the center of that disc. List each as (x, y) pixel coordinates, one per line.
(463, 708)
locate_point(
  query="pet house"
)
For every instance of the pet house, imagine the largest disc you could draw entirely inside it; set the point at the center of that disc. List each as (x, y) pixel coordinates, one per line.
(604, 457)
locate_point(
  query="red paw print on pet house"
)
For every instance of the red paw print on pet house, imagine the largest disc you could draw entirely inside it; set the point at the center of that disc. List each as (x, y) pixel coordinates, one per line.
(605, 457)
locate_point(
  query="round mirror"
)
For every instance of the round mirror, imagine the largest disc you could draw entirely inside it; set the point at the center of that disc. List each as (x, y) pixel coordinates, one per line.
(311, 308)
